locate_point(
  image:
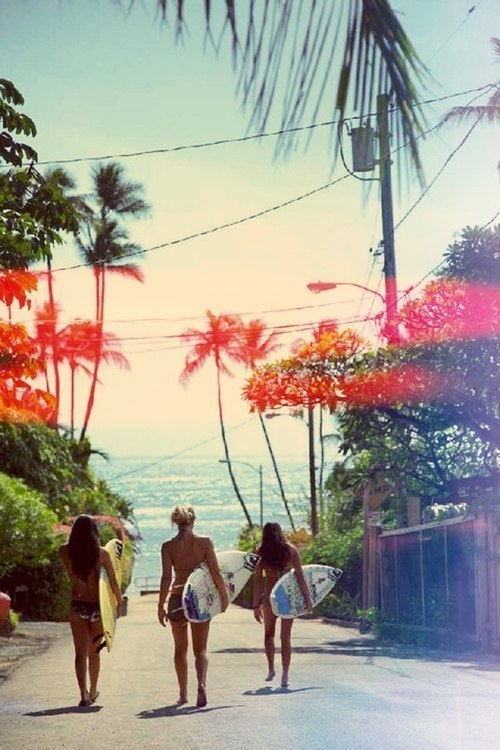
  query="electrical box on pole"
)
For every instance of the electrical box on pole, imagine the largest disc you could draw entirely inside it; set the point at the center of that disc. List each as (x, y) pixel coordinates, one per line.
(363, 152)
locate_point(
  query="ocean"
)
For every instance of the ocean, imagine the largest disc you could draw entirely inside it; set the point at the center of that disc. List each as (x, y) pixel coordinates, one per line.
(155, 485)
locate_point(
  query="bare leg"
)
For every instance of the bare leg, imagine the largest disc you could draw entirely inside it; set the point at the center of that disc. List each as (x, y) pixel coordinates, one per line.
(286, 649)
(180, 633)
(94, 658)
(81, 633)
(269, 632)
(199, 632)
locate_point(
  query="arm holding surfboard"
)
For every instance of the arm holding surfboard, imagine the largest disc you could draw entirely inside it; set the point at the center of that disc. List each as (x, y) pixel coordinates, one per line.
(105, 562)
(214, 569)
(299, 574)
(272, 576)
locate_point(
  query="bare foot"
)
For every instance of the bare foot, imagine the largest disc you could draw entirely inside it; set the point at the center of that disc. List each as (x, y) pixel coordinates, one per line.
(202, 697)
(182, 700)
(270, 675)
(284, 681)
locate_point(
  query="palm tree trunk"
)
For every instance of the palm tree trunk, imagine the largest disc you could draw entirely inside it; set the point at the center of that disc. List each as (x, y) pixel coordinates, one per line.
(312, 473)
(55, 345)
(226, 451)
(99, 276)
(276, 470)
(72, 405)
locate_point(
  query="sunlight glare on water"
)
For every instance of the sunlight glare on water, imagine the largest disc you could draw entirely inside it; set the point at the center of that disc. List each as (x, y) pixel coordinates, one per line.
(155, 486)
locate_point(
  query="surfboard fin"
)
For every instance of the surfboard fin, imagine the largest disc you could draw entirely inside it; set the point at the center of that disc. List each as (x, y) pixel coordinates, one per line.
(97, 638)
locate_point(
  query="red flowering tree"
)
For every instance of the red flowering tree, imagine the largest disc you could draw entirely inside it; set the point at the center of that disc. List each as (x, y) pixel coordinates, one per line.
(428, 413)
(312, 376)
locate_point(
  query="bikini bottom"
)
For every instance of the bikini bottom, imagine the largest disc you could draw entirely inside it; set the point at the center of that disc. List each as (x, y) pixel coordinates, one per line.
(86, 610)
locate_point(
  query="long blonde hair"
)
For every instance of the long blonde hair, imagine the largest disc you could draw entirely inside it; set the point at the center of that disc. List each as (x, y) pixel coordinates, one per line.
(183, 515)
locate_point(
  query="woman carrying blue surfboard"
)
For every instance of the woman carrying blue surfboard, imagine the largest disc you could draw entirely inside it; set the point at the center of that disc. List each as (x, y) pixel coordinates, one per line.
(277, 557)
(179, 557)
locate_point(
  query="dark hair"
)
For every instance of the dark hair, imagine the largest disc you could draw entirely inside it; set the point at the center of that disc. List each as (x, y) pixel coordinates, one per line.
(83, 546)
(274, 549)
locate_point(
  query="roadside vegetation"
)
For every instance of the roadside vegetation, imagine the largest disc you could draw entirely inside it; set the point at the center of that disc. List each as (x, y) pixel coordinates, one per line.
(45, 480)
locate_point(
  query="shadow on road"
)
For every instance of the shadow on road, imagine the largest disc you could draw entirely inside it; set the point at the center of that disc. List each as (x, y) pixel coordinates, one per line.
(174, 710)
(369, 648)
(277, 691)
(65, 710)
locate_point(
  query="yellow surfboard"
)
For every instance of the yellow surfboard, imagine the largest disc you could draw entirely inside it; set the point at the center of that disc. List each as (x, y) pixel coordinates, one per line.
(107, 603)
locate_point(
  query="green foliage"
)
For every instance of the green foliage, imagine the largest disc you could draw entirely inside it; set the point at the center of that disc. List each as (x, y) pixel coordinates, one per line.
(48, 589)
(473, 256)
(33, 211)
(339, 541)
(8, 626)
(41, 457)
(26, 526)
(249, 538)
(444, 438)
(339, 606)
(14, 122)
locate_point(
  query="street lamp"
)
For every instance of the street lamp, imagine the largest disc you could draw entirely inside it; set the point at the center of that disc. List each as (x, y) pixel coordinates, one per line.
(390, 305)
(259, 472)
(324, 286)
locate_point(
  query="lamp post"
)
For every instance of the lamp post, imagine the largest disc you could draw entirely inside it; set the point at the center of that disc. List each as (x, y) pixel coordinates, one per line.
(324, 286)
(259, 472)
(390, 308)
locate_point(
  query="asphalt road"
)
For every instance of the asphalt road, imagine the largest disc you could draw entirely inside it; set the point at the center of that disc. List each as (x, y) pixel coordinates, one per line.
(345, 693)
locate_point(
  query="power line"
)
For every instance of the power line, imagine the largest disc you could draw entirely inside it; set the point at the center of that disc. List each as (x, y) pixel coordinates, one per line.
(220, 227)
(243, 139)
(158, 461)
(439, 173)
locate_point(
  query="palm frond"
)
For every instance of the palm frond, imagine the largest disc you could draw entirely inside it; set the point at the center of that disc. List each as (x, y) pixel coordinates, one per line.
(343, 52)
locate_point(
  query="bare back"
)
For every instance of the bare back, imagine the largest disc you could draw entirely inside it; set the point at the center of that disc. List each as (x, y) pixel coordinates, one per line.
(87, 589)
(271, 575)
(185, 552)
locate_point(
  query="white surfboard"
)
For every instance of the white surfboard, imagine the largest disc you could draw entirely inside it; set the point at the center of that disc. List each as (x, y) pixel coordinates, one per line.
(200, 598)
(286, 597)
(107, 601)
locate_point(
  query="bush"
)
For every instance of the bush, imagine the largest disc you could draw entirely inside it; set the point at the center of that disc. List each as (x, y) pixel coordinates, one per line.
(340, 606)
(41, 457)
(9, 625)
(26, 526)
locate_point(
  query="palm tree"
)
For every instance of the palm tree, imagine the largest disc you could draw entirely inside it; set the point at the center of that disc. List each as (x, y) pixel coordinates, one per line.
(103, 244)
(346, 52)
(46, 318)
(256, 346)
(221, 338)
(489, 111)
(60, 183)
(82, 341)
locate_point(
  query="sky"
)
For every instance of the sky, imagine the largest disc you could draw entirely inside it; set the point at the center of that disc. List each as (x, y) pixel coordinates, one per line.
(99, 81)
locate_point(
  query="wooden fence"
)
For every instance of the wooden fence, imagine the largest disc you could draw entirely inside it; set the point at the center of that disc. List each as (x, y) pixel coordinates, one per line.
(441, 577)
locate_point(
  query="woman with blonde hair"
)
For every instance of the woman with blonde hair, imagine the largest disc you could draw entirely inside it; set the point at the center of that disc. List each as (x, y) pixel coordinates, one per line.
(82, 558)
(179, 557)
(277, 556)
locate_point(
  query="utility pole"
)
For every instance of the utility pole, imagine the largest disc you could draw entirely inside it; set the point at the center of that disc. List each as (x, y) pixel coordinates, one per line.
(391, 298)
